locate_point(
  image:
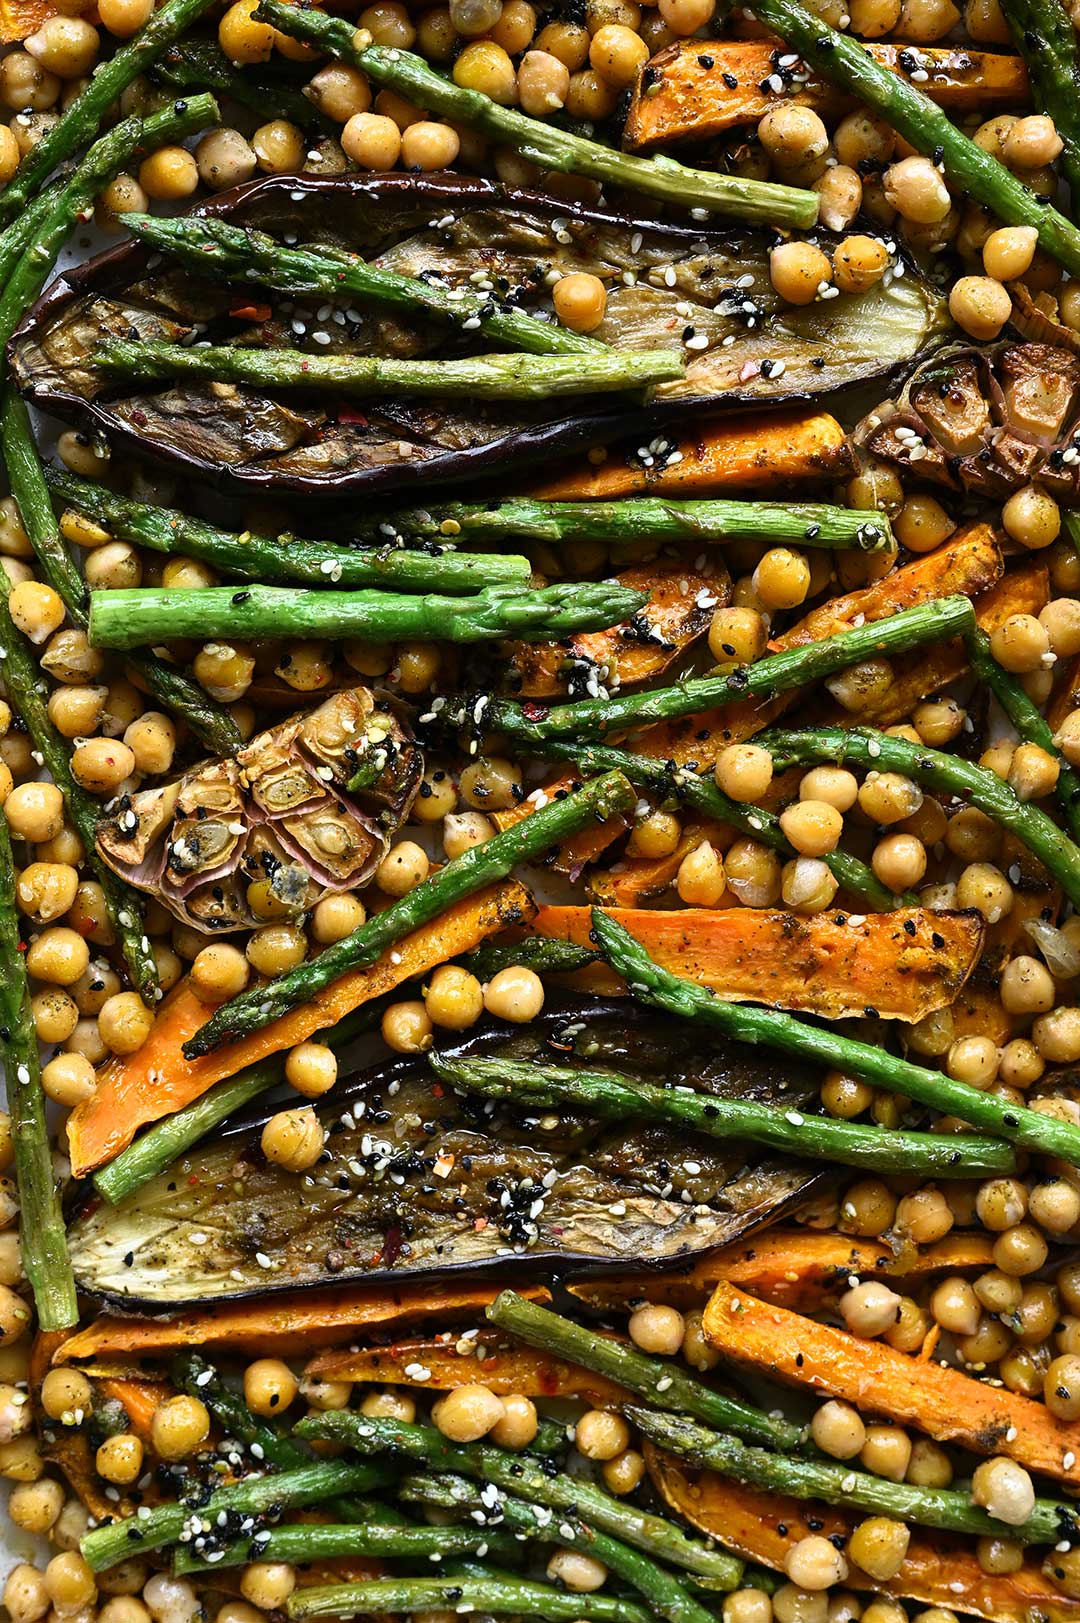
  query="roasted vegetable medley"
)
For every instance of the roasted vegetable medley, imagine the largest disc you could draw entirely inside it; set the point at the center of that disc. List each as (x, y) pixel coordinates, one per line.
(540, 784)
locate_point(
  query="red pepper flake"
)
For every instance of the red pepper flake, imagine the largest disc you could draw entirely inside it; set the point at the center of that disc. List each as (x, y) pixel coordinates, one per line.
(252, 312)
(480, 1224)
(348, 414)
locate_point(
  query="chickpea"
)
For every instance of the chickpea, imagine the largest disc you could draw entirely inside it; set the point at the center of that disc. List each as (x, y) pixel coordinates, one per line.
(404, 867)
(601, 1434)
(700, 881)
(267, 1584)
(242, 38)
(219, 972)
(980, 305)
(335, 917)
(34, 1506)
(617, 54)
(886, 1452)
(889, 797)
(464, 830)
(797, 271)
(658, 1329)
(454, 999)
(840, 194)
(45, 890)
(519, 1423)
(515, 994)
(25, 1597)
(35, 811)
(427, 145)
(753, 872)
(1027, 987)
(269, 1386)
(1008, 252)
(100, 765)
(1004, 1489)
(372, 141)
(171, 172)
(924, 1216)
(491, 784)
(624, 1473)
(392, 1404)
(1032, 518)
(68, 1079)
(838, 1430)
(899, 861)
(869, 1309)
(867, 1208)
(224, 158)
(543, 84)
(486, 67)
(120, 1459)
(311, 1068)
(1020, 1251)
(36, 610)
(793, 135)
(407, 1028)
(814, 1563)
(467, 1413)
(577, 1572)
(737, 636)
(859, 263)
(580, 301)
(293, 1139)
(655, 835)
(340, 92)
(744, 772)
(917, 192)
(879, 1546)
(922, 524)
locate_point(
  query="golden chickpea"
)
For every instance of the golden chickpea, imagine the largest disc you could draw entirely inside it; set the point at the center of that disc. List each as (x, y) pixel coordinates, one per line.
(372, 141)
(859, 263)
(590, 97)
(792, 135)
(813, 827)
(68, 1079)
(515, 994)
(311, 1068)
(453, 998)
(407, 1028)
(219, 972)
(100, 765)
(655, 835)
(340, 92)
(404, 867)
(66, 1393)
(36, 610)
(917, 192)
(279, 147)
(123, 18)
(491, 784)
(35, 811)
(25, 1597)
(753, 873)
(224, 158)
(486, 67)
(125, 1023)
(700, 881)
(467, 1413)
(34, 1506)
(617, 54)
(815, 1564)
(1032, 518)
(600, 1434)
(70, 1583)
(462, 831)
(426, 146)
(242, 38)
(171, 172)
(267, 1584)
(657, 1329)
(269, 1386)
(798, 270)
(120, 1459)
(335, 917)
(580, 300)
(624, 1473)
(543, 84)
(45, 890)
(518, 1425)
(392, 1404)
(737, 636)
(293, 1139)
(840, 194)
(744, 772)
(276, 948)
(152, 740)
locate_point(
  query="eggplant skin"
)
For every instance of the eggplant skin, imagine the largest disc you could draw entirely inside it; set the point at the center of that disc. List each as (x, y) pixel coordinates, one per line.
(453, 226)
(417, 1182)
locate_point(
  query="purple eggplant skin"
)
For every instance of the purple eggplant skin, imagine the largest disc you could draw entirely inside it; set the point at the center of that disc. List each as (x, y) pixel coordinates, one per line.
(273, 445)
(258, 1229)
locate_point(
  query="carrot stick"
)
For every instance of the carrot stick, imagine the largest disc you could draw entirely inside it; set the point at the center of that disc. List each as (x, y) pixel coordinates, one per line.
(937, 1570)
(486, 1358)
(157, 1079)
(283, 1325)
(688, 92)
(904, 965)
(942, 1402)
(722, 454)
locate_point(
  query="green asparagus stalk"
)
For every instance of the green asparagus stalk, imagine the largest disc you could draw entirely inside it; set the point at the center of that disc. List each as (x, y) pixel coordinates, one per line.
(126, 619)
(212, 247)
(546, 955)
(1045, 1135)
(166, 1524)
(160, 1145)
(288, 557)
(1044, 35)
(42, 1235)
(22, 684)
(477, 377)
(601, 798)
(793, 1132)
(948, 774)
(661, 1381)
(701, 793)
(1029, 721)
(192, 1374)
(540, 143)
(972, 172)
(525, 1479)
(665, 1593)
(199, 63)
(83, 119)
(496, 1595)
(211, 724)
(645, 518)
(838, 1484)
(937, 621)
(329, 1540)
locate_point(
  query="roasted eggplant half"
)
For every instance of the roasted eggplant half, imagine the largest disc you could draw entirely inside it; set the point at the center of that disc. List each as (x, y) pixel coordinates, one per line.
(987, 420)
(706, 286)
(278, 813)
(415, 1180)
